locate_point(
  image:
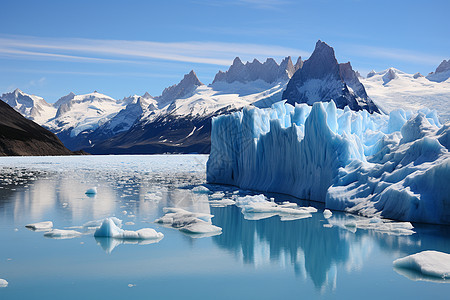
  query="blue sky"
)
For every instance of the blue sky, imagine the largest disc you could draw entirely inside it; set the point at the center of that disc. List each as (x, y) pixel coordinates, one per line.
(120, 48)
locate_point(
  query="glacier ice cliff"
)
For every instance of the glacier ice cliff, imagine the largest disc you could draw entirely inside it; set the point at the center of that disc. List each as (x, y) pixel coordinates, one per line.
(395, 166)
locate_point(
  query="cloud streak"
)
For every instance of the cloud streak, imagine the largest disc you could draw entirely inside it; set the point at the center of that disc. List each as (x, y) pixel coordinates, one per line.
(125, 51)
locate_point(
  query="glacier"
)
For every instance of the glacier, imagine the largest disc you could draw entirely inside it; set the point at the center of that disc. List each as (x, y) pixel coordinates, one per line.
(394, 166)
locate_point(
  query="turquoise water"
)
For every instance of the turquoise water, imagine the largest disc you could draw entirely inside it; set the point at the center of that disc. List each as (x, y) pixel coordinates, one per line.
(251, 259)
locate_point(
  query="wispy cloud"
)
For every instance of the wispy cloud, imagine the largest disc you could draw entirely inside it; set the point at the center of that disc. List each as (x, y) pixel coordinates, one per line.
(394, 54)
(126, 51)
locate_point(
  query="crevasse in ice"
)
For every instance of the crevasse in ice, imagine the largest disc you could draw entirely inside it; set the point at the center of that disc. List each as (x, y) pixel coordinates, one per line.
(396, 166)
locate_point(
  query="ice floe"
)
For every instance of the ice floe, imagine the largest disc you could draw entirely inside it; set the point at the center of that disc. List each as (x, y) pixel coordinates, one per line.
(375, 223)
(40, 226)
(258, 207)
(62, 234)
(108, 228)
(221, 203)
(198, 224)
(426, 265)
(201, 190)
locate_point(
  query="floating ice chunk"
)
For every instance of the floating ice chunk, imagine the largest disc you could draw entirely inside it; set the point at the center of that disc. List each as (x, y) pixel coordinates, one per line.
(62, 234)
(109, 244)
(376, 224)
(259, 204)
(201, 190)
(129, 223)
(428, 263)
(3, 283)
(217, 195)
(221, 203)
(189, 222)
(327, 213)
(109, 229)
(40, 226)
(91, 191)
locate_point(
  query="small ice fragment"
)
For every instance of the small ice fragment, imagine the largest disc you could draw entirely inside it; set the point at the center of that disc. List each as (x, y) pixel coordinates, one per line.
(16, 229)
(62, 234)
(129, 223)
(130, 285)
(327, 213)
(201, 190)
(91, 191)
(217, 195)
(428, 263)
(327, 225)
(3, 283)
(46, 225)
(124, 212)
(221, 203)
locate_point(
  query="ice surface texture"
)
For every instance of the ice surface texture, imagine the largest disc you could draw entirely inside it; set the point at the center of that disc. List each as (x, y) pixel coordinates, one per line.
(395, 166)
(428, 263)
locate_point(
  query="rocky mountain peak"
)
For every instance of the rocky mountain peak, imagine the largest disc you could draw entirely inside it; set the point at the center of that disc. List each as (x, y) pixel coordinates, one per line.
(443, 66)
(183, 89)
(322, 78)
(442, 72)
(298, 64)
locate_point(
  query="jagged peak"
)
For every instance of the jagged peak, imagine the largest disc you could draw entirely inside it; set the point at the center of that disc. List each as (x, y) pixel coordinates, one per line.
(417, 75)
(371, 74)
(237, 61)
(298, 64)
(443, 66)
(191, 78)
(146, 95)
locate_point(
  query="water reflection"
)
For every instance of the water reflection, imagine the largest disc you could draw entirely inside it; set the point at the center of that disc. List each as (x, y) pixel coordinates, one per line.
(313, 251)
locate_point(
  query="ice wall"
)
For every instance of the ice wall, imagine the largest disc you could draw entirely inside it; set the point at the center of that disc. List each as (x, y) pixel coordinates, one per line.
(396, 166)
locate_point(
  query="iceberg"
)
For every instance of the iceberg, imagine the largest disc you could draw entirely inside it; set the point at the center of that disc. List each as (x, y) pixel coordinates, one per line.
(427, 264)
(40, 226)
(110, 229)
(196, 224)
(394, 166)
(62, 234)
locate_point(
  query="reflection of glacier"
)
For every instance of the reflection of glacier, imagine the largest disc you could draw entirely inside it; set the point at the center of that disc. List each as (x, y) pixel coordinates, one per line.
(313, 251)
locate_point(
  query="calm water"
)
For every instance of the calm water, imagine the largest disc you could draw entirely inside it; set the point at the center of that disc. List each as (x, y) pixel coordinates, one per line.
(264, 259)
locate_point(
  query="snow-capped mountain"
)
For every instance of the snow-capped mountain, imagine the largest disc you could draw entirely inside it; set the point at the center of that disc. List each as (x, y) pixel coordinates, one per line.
(183, 89)
(184, 123)
(82, 114)
(30, 106)
(322, 79)
(442, 72)
(269, 71)
(392, 89)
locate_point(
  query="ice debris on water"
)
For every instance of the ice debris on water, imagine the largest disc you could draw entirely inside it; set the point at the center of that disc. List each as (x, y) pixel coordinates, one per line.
(3, 283)
(198, 224)
(62, 234)
(201, 190)
(221, 203)
(397, 164)
(425, 264)
(40, 226)
(109, 228)
(91, 191)
(327, 213)
(259, 207)
(375, 223)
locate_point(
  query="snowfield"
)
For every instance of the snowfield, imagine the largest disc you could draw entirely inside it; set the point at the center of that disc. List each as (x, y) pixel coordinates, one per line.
(395, 166)
(393, 89)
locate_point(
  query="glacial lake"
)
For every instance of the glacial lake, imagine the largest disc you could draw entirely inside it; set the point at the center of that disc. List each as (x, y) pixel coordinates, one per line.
(269, 258)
